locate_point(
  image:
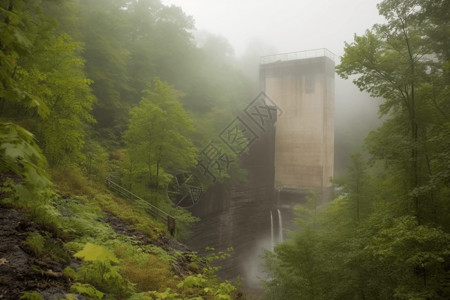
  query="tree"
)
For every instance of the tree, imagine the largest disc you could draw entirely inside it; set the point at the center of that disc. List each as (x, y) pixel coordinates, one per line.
(44, 86)
(22, 165)
(386, 235)
(20, 30)
(103, 29)
(158, 134)
(395, 61)
(65, 88)
(354, 187)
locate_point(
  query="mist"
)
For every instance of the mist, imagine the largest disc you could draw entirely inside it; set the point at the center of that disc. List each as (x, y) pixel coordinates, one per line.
(199, 149)
(287, 25)
(251, 29)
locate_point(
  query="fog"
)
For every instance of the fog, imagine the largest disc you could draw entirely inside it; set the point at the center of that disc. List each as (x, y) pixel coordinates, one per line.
(288, 25)
(254, 28)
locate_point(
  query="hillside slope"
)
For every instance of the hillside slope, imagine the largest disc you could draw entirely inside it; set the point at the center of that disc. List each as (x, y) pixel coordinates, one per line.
(84, 242)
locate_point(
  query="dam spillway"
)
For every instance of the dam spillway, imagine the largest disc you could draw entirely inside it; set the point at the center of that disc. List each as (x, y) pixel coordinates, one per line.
(236, 213)
(291, 155)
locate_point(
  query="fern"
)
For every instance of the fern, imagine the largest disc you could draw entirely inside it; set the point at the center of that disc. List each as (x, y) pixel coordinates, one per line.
(31, 296)
(36, 242)
(93, 252)
(99, 272)
(86, 289)
(20, 155)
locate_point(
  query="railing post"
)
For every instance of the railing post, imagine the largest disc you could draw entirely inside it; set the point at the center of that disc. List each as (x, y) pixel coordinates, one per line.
(171, 225)
(151, 209)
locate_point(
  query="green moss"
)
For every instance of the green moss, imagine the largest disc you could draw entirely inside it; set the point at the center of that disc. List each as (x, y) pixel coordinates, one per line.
(31, 296)
(35, 241)
(113, 267)
(193, 267)
(86, 289)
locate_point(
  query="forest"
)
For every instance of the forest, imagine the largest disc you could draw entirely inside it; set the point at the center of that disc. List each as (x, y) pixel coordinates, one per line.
(91, 89)
(386, 234)
(128, 89)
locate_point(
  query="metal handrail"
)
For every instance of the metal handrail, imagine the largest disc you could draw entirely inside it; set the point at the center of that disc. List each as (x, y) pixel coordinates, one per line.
(155, 211)
(297, 55)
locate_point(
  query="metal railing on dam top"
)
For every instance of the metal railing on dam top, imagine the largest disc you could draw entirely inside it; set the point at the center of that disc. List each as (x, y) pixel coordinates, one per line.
(268, 59)
(151, 209)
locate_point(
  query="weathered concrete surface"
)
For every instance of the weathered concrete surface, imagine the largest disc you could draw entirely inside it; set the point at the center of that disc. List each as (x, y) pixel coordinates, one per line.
(298, 158)
(237, 214)
(304, 151)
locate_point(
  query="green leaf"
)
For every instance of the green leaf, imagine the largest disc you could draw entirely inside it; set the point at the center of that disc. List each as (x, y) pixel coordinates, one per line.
(86, 289)
(92, 252)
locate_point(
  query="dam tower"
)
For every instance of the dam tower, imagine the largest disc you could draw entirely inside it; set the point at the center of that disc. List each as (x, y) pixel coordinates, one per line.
(302, 86)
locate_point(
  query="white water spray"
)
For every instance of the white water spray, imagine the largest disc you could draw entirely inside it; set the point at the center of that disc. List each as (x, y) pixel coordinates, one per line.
(280, 225)
(271, 230)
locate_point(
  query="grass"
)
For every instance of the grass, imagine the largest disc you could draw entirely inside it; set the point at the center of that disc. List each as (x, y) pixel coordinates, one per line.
(76, 215)
(70, 182)
(44, 245)
(35, 241)
(149, 275)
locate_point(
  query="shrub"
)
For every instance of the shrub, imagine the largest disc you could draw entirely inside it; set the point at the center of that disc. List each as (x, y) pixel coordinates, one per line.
(35, 241)
(100, 271)
(31, 296)
(149, 275)
(86, 289)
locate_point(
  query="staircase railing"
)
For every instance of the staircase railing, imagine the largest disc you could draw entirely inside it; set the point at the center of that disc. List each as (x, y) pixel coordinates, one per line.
(151, 209)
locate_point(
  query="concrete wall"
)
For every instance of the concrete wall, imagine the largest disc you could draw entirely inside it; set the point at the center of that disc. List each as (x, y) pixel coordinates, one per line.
(237, 214)
(304, 150)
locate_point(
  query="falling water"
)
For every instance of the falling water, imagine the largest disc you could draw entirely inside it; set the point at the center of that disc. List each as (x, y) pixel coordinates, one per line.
(271, 229)
(280, 225)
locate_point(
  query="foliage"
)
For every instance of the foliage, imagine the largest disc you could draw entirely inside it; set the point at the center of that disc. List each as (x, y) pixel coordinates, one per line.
(220, 291)
(20, 29)
(31, 296)
(71, 73)
(355, 188)
(128, 43)
(385, 236)
(43, 84)
(82, 221)
(96, 165)
(184, 221)
(71, 181)
(158, 135)
(112, 263)
(148, 275)
(402, 62)
(86, 289)
(417, 252)
(21, 156)
(93, 252)
(196, 287)
(100, 270)
(67, 95)
(36, 242)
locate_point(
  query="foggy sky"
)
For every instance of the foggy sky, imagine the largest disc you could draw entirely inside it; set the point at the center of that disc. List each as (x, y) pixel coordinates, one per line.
(287, 25)
(261, 27)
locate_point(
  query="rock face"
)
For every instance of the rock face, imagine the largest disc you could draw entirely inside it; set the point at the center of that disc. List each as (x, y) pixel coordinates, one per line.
(237, 214)
(20, 270)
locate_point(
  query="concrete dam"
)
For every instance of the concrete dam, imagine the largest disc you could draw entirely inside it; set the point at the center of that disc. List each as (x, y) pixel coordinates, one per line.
(290, 154)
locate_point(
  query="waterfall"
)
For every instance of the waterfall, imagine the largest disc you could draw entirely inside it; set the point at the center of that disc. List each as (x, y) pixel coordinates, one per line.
(271, 230)
(280, 225)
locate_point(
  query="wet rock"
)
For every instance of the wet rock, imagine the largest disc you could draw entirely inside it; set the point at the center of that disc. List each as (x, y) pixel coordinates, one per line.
(20, 270)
